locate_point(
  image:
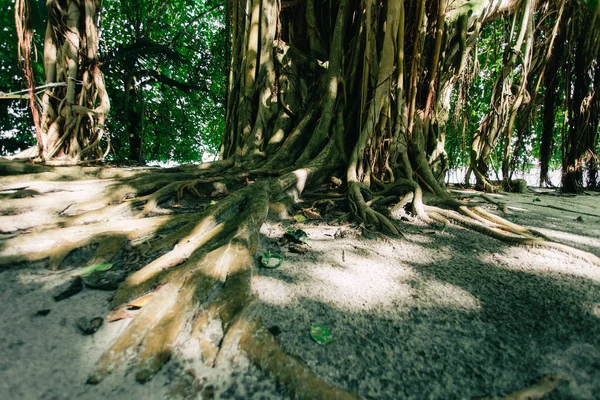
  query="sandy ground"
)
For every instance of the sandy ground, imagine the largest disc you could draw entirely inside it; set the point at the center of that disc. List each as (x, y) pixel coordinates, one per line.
(443, 313)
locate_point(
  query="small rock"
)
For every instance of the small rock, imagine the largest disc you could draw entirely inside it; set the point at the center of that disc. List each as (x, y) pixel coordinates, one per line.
(275, 330)
(42, 313)
(89, 327)
(298, 249)
(579, 219)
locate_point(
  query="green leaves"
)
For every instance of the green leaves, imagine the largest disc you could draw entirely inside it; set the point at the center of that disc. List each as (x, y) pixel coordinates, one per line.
(300, 218)
(320, 334)
(98, 267)
(271, 260)
(174, 53)
(296, 236)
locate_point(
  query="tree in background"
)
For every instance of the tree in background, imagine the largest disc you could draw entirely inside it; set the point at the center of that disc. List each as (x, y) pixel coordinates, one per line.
(16, 131)
(75, 103)
(164, 64)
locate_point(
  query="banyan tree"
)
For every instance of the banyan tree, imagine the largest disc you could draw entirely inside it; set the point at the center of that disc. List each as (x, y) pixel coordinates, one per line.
(69, 122)
(354, 93)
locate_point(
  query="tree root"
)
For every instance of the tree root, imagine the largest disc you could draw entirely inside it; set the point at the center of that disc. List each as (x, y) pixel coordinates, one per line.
(503, 230)
(262, 348)
(201, 281)
(361, 210)
(56, 244)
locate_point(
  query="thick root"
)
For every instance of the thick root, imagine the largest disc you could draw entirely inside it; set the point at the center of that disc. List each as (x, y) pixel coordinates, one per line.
(57, 244)
(262, 348)
(501, 229)
(361, 210)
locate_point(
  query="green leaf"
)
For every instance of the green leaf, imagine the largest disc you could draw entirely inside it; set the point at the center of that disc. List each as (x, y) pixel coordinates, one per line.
(296, 236)
(270, 260)
(320, 334)
(98, 267)
(299, 218)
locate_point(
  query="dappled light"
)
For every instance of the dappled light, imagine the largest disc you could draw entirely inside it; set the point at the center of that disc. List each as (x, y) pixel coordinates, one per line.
(321, 254)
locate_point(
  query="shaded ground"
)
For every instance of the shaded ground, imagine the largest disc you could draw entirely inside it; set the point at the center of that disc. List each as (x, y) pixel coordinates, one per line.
(443, 313)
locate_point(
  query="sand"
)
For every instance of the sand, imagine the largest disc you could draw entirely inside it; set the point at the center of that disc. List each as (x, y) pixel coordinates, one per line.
(441, 313)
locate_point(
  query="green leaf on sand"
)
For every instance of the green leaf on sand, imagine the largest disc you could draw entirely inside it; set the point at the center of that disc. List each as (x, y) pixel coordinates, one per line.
(299, 218)
(296, 236)
(98, 267)
(320, 334)
(270, 260)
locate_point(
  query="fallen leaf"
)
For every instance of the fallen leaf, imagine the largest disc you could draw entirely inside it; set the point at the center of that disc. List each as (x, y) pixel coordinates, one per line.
(118, 314)
(320, 334)
(299, 218)
(296, 236)
(310, 214)
(89, 270)
(269, 260)
(139, 302)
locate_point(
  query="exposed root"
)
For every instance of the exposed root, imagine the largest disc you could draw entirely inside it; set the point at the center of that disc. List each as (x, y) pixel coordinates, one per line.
(360, 209)
(264, 350)
(501, 229)
(201, 276)
(57, 243)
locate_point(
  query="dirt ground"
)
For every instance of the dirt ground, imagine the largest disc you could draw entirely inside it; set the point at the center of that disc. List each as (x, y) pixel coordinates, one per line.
(441, 313)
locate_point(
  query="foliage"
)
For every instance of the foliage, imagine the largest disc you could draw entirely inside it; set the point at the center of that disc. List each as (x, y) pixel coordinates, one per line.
(174, 51)
(16, 131)
(177, 55)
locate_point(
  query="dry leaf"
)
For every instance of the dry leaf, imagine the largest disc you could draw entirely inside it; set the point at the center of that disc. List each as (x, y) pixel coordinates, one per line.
(310, 214)
(139, 302)
(336, 181)
(118, 314)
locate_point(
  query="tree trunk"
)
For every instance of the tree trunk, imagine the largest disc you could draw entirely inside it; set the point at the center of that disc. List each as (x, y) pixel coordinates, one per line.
(134, 125)
(75, 104)
(584, 101)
